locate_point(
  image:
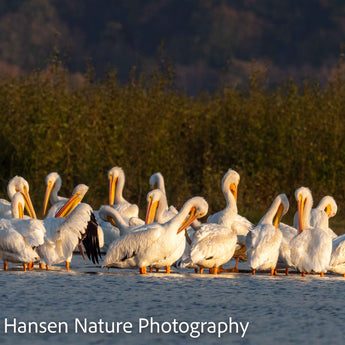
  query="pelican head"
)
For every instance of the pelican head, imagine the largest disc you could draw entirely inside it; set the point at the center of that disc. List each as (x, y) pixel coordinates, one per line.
(77, 196)
(328, 204)
(230, 182)
(304, 204)
(53, 182)
(19, 184)
(17, 205)
(155, 200)
(114, 174)
(197, 207)
(157, 181)
(282, 209)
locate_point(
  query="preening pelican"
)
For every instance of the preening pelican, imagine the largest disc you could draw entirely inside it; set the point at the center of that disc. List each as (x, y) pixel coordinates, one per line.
(212, 246)
(64, 234)
(19, 236)
(317, 216)
(229, 216)
(17, 184)
(152, 242)
(116, 200)
(109, 214)
(157, 211)
(311, 248)
(157, 182)
(64, 207)
(264, 240)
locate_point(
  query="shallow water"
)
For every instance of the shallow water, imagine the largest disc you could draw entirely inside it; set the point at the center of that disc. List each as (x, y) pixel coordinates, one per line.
(285, 309)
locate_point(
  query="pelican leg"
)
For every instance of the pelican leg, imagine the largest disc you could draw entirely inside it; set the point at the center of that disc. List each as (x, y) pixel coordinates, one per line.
(167, 269)
(5, 265)
(41, 266)
(286, 271)
(81, 250)
(272, 271)
(303, 274)
(151, 269)
(30, 266)
(321, 274)
(201, 270)
(47, 267)
(210, 271)
(215, 270)
(25, 267)
(344, 275)
(234, 269)
(142, 270)
(67, 265)
(196, 271)
(253, 271)
(275, 271)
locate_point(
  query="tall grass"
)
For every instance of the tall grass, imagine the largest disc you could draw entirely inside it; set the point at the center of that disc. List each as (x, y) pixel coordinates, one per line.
(277, 139)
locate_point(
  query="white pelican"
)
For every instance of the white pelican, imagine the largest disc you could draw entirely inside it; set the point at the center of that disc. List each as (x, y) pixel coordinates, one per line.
(337, 262)
(212, 246)
(152, 242)
(109, 214)
(317, 218)
(64, 207)
(53, 185)
(116, 200)
(64, 234)
(311, 248)
(17, 184)
(158, 211)
(229, 216)
(264, 240)
(19, 236)
(157, 182)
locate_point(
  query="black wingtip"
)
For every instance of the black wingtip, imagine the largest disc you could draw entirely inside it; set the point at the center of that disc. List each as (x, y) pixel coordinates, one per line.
(90, 241)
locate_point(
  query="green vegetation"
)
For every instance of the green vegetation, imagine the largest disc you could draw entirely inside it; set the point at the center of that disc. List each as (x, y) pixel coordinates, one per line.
(277, 139)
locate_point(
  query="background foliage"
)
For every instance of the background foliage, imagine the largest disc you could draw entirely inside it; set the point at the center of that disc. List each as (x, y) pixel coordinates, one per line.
(277, 139)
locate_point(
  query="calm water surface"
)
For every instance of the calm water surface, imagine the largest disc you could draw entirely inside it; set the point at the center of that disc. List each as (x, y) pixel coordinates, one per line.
(284, 310)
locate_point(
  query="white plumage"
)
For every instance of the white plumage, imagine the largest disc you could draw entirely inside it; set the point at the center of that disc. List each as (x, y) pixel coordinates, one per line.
(16, 184)
(264, 240)
(311, 248)
(153, 242)
(116, 200)
(64, 234)
(212, 246)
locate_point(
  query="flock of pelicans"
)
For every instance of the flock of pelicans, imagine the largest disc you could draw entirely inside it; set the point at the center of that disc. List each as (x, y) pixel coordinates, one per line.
(167, 237)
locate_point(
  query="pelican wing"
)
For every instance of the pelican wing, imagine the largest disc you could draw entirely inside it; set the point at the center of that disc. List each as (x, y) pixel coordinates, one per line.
(13, 246)
(127, 247)
(217, 242)
(80, 225)
(338, 251)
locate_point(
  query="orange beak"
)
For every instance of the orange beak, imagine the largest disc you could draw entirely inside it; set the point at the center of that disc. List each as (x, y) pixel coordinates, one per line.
(233, 190)
(189, 221)
(28, 204)
(112, 188)
(49, 189)
(151, 211)
(279, 215)
(72, 202)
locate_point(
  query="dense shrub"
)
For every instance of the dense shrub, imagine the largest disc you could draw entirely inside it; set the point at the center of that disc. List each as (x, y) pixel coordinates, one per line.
(277, 139)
